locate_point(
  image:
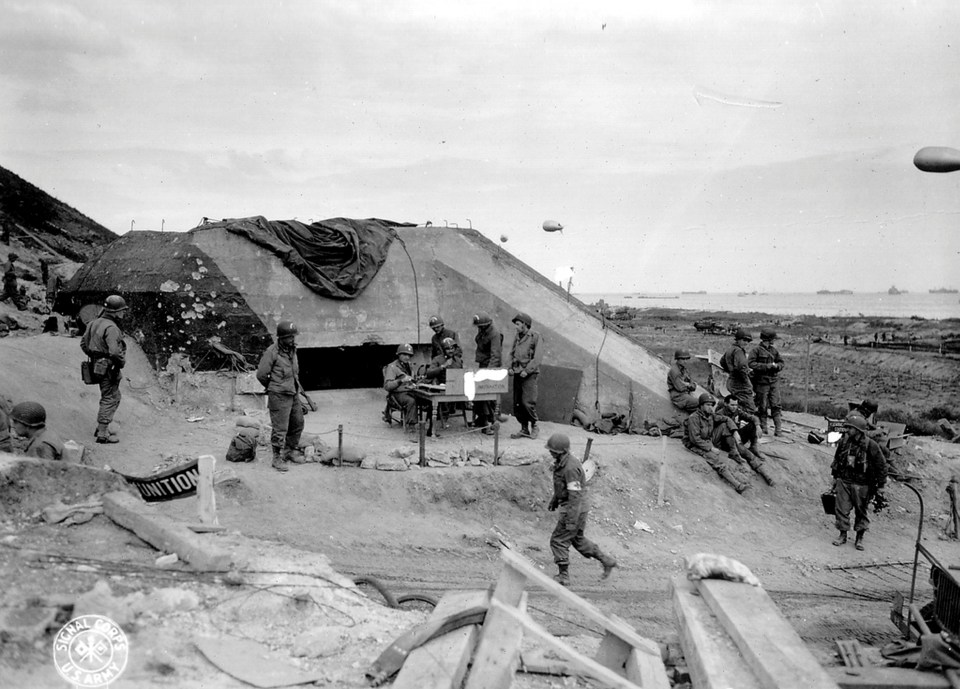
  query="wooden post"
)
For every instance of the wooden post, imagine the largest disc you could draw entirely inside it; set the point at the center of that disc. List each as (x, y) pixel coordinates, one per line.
(806, 380)
(496, 431)
(586, 450)
(422, 435)
(663, 470)
(207, 500)
(340, 445)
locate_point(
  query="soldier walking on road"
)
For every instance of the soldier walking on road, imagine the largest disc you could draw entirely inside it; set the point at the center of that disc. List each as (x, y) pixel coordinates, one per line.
(860, 472)
(103, 342)
(525, 357)
(766, 363)
(279, 373)
(680, 385)
(734, 362)
(570, 498)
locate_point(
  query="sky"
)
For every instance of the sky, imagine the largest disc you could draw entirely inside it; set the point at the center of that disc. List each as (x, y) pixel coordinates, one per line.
(683, 145)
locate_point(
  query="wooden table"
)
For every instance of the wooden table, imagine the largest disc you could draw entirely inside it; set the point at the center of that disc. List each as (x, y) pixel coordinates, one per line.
(427, 400)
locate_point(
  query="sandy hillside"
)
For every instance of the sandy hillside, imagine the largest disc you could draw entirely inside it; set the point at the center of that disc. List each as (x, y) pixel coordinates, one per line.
(428, 530)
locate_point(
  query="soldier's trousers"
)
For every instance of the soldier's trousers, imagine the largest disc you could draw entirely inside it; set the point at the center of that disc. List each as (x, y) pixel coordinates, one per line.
(569, 532)
(851, 496)
(744, 394)
(109, 398)
(525, 399)
(286, 420)
(767, 397)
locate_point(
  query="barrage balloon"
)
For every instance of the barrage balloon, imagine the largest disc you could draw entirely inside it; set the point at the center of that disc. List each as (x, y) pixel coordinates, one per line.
(503, 238)
(552, 226)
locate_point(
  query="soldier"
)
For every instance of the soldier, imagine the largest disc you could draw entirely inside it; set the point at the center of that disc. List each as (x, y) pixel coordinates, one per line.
(700, 427)
(398, 381)
(489, 355)
(868, 410)
(440, 333)
(734, 362)
(279, 372)
(452, 357)
(103, 342)
(30, 421)
(525, 357)
(570, 497)
(766, 363)
(741, 438)
(680, 385)
(860, 472)
(11, 289)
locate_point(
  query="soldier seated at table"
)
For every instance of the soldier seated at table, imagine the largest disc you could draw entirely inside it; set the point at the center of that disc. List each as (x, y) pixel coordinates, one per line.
(398, 381)
(452, 357)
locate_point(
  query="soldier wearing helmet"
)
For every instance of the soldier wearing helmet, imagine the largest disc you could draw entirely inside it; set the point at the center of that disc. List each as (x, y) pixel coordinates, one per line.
(279, 372)
(526, 354)
(766, 363)
(680, 384)
(440, 333)
(700, 431)
(451, 356)
(570, 498)
(860, 473)
(734, 362)
(103, 343)
(11, 289)
(489, 354)
(398, 381)
(868, 410)
(30, 421)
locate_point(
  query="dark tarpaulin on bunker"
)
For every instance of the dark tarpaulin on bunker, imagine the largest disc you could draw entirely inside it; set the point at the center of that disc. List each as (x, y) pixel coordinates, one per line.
(336, 258)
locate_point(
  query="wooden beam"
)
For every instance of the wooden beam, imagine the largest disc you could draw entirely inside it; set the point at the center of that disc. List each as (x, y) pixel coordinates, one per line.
(610, 623)
(713, 659)
(498, 652)
(166, 534)
(887, 678)
(771, 647)
(579, 662)
(441, 663)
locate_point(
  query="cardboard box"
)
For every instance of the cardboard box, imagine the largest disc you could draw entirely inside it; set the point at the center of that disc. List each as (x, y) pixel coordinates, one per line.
(455, 382)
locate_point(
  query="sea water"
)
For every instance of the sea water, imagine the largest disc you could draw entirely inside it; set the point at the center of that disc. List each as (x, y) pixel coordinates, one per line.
(937, 306)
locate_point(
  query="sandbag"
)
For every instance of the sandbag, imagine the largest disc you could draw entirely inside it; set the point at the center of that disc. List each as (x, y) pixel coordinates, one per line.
(352, 456)
(709, 566)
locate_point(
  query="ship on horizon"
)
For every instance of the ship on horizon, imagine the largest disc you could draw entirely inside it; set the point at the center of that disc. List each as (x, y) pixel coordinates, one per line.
(830, 291)
(943, 290)
(894, 291)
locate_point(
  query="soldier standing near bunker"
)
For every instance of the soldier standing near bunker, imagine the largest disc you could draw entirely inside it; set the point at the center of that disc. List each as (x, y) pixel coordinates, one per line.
(279, 373)
(525, 357)
(766, 363)
(489, 354)
(103, 342)
(570, 497)
(734, 362)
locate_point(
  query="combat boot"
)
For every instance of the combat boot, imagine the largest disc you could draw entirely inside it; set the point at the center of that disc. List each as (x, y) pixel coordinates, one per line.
(278, 460)
(764, 428)
(103, 435)
(731, 478)
(608, 564)
(777, 426)
(562, 577)
(534, 431)
(524, 432)
(842, 539)
(762, 470)
(858, 544)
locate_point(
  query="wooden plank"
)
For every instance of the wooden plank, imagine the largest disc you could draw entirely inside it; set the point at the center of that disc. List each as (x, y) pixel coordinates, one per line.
(498, 651)
(772, 649)
(713, 659)
(609, 623)
(206, 498)
(166, 534)
(646, 671)
(581, 663)
(442, 662)
(887, 678)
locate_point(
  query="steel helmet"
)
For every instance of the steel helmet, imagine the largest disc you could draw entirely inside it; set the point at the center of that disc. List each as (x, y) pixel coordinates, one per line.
(706, 398)
(435, 321)
(522, 318)
(742, 334)
(114, 303)
(286, 328)
(448, 342)
(482, 319)
(681, 354)
(558, 443)
(856, 421)
(404, 349)
(29, 414)
(768, 334)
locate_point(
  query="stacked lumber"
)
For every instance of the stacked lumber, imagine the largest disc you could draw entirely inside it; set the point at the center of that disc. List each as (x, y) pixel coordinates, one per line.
(733, 635)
